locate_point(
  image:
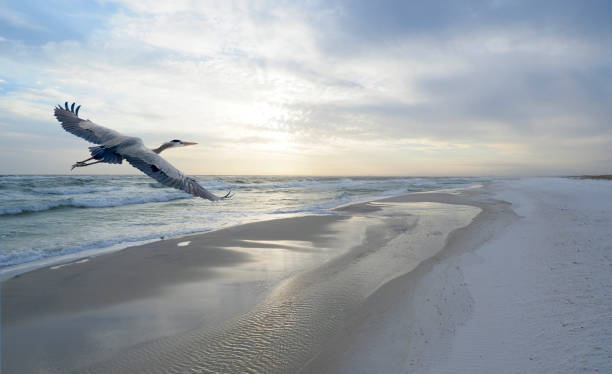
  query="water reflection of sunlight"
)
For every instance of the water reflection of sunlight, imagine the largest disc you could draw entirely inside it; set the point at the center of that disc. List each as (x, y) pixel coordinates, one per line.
(295, 245)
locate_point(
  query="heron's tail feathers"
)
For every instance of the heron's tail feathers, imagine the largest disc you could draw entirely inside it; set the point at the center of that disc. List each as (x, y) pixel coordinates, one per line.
(105, 154)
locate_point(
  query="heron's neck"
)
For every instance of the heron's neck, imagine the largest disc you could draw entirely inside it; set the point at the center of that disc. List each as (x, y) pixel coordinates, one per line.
(162, 147)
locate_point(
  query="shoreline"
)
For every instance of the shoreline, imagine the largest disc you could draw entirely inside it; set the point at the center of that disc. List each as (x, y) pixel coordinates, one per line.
(320, 244)
(11, 271)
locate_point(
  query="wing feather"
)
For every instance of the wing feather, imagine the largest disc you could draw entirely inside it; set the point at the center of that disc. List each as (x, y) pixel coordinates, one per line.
(85, 128)
(162, 171)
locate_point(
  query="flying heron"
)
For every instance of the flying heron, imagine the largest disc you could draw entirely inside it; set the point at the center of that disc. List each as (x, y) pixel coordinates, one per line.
(115, 147)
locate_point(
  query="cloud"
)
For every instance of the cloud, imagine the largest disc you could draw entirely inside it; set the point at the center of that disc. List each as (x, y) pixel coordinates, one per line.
(488, 81)
(356, 26)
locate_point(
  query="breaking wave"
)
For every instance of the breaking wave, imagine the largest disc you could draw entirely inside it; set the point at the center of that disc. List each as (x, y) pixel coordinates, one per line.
(104, 202)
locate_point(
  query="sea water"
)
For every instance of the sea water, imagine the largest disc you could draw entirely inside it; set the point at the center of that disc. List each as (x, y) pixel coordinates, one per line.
(46, 216)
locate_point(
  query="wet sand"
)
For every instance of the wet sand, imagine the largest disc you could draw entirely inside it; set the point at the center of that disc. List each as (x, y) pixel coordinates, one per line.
(262, 297)
(399, 325)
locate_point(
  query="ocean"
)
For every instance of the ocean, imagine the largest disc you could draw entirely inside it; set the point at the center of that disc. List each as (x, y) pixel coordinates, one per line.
(47, 216)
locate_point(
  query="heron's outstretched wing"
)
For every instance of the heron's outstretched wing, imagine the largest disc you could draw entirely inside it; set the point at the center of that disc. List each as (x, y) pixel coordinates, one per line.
(85, 128)
(161, 170)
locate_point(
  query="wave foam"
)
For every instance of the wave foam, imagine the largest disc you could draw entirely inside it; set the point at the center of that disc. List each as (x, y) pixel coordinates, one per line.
(102, 246)
(105, 202)
(74, 190)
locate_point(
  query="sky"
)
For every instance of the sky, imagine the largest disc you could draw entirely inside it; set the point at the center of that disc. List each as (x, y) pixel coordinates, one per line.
(334, 87)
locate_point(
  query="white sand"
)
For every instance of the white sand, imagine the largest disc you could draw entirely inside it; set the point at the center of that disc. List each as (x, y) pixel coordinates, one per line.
(542, 291)
(535, 297)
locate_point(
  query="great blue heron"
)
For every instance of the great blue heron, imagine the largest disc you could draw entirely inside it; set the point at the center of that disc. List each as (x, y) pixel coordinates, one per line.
(115, 147)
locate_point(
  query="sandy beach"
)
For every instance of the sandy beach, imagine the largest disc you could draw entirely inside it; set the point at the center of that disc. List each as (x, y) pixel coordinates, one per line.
(510, 277)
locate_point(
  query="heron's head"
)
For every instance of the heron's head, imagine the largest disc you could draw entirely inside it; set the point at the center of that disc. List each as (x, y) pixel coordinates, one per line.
(172, 144)
(179, 143)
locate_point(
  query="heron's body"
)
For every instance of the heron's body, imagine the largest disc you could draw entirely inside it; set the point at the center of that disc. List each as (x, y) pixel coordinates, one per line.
(114, 147)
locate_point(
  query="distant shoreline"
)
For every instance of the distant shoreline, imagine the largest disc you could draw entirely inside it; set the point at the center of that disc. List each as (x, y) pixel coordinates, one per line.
(604, 177)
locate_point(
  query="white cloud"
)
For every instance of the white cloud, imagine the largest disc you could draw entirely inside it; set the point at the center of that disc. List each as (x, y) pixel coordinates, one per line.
(256, 75)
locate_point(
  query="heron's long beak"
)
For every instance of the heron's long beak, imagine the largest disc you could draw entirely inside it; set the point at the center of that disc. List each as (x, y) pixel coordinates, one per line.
(189, 143)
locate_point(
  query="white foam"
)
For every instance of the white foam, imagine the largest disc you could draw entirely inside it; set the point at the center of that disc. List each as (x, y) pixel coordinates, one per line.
(32, 261)
(74, 190)
(69, 263)
(94, 202)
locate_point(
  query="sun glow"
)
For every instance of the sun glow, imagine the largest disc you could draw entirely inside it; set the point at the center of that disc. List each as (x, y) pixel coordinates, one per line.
(263, 127)
(263, 114)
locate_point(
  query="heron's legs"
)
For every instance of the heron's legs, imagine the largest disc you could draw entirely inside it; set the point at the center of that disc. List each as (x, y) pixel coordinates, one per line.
(82, 163)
